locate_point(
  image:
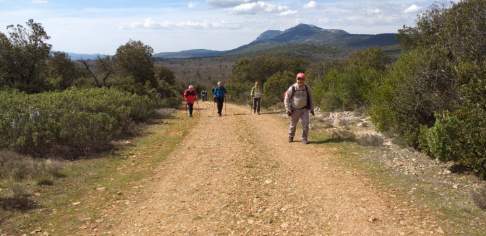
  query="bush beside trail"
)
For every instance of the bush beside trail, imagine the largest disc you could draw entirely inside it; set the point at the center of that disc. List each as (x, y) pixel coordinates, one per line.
(434, 97)
(71, 123)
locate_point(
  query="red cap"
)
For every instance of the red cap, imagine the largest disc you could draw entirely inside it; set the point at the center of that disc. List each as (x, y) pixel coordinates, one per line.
(300, 75)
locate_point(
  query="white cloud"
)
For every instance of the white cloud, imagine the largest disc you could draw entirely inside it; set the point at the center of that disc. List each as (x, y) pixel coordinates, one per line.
(412, 9)
(149, 23)
(288, 13)
(40, 1)
(252, 8)
(373, 11)
(191, 5)
(228, 3)
(311, 4)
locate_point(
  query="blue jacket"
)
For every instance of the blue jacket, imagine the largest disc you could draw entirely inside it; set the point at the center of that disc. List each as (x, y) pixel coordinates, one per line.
(219, 92)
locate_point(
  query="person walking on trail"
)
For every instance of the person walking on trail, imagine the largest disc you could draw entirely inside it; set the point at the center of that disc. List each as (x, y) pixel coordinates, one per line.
(298, 104)
(257, 94)
(204, 95)
(190, 96)
(219, 94)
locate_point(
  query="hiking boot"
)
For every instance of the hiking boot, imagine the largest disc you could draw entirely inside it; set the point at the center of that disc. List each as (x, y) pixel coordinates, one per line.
(305, 141)
(291, 139)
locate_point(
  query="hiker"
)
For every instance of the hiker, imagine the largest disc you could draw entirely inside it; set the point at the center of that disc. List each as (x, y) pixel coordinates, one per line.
(204, 95)
(298, 104)
(190, 96)
(219, 94)
(256, 93)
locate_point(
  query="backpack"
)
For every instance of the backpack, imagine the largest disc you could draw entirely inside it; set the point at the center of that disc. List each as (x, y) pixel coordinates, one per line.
(293, 92)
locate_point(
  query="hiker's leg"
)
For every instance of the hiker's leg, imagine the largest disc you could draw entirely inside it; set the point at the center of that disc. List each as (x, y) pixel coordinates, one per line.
(305, 124)
(294, 119)
(259, 103)
(191, 108)
(220, 106)
(255, 101)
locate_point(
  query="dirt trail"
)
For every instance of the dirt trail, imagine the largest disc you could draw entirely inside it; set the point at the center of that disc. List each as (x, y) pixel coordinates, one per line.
(237, 175)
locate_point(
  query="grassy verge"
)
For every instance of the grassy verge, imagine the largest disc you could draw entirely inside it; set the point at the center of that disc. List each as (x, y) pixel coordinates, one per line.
(93, 184)
(453, 208)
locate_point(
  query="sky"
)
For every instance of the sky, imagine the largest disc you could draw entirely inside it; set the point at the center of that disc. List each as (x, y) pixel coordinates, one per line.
(101, 26)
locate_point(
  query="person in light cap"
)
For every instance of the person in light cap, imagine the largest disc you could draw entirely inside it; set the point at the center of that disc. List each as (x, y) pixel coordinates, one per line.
(298, 105)
(219, 94)
(190, 96)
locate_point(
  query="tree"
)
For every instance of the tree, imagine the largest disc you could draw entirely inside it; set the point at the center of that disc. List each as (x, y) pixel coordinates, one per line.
(135, 59)
(346, 85)
(248, 70)
(276, 86)
(24, 54)
(262, 67)
(164, 74)
(435, 95)
(103, 69)
(62, 71)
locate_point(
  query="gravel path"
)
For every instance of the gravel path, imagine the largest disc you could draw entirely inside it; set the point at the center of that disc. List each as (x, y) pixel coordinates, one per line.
(237, 175)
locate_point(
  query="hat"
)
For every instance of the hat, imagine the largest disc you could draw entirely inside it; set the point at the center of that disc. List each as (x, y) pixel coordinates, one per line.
(300, 75)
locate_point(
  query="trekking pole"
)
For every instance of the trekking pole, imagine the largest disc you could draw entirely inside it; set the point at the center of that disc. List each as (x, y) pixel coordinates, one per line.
(224, 104)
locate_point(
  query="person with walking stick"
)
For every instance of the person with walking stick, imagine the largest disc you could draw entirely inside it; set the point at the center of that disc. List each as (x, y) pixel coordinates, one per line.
(219, 94)
(256, 93)
(190, 96)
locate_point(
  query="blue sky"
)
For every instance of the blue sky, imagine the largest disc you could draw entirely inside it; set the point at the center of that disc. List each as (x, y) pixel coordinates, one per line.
(100, 26)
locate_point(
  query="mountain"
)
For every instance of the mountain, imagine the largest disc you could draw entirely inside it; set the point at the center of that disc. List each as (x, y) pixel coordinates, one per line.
(295, 37)
(196, 53)
(268, 35)
(80, 56)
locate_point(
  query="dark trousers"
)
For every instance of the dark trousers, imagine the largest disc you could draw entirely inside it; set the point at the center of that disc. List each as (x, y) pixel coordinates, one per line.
(190, 108)
(256, 105)
(219, 102)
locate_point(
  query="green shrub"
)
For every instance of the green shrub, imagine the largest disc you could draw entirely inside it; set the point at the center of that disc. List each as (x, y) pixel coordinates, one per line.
(260, 68)
(347, 86)
(416, 87)
(73, 122)
(459, 137)
(276, 86)
(442, 71)
(442, 138)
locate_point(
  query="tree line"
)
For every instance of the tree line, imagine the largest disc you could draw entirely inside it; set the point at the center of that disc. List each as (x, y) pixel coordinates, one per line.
(28, 64)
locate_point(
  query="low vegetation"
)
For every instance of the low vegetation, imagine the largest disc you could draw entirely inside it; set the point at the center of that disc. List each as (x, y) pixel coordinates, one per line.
(69, 123)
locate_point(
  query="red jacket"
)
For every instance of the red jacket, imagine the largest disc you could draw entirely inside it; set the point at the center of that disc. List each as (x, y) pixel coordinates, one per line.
(190, 96)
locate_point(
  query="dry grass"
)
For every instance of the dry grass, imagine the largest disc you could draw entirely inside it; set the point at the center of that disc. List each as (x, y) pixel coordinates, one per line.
(479, 197)
(19, 168)
(19, 174)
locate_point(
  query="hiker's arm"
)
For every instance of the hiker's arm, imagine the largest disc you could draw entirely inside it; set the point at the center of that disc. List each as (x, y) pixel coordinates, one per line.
(288, 94)
(311, 102)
